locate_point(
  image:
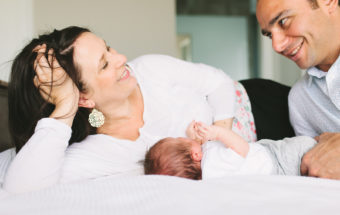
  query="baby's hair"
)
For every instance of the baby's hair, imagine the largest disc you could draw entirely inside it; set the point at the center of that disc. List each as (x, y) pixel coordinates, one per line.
(170, 156)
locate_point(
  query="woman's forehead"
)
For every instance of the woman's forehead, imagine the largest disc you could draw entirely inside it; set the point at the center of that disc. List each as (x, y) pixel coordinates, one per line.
(88, 49)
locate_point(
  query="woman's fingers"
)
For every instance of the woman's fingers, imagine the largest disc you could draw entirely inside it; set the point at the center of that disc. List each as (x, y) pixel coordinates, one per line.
(43, 72)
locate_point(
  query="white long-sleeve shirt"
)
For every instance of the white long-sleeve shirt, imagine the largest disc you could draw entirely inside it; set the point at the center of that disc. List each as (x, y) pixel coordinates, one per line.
(175, 92)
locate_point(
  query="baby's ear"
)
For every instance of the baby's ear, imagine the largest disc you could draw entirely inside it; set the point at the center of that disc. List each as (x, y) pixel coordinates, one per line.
(196, 155)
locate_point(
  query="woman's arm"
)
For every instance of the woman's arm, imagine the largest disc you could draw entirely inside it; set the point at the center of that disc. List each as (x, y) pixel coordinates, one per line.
(204, 80)
(38, 163)
(63, 93)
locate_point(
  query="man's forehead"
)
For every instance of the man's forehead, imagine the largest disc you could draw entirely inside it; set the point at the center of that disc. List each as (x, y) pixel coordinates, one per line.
(269, 9)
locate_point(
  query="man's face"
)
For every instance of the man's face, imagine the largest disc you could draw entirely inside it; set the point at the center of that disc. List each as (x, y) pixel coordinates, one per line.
(298, 31)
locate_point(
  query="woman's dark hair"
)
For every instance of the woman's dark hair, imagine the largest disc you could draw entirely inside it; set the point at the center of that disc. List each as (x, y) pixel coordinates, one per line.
(26, 105)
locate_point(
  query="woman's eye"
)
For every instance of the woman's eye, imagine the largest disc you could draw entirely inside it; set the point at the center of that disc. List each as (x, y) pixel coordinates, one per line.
(283, 21)
(105, 65)
(108, 48)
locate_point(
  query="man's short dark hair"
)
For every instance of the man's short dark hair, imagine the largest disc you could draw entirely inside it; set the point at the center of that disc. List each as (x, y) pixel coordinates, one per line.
(314, 4)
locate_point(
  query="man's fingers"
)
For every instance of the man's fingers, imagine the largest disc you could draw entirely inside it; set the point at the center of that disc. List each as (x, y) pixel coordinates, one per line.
(303, 168)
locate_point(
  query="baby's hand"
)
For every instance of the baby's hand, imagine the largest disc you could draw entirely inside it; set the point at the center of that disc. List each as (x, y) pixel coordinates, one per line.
(206, 132)
(192, 133)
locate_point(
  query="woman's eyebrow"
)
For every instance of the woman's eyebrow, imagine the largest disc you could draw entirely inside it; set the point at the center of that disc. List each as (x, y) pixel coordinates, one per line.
(102, 59)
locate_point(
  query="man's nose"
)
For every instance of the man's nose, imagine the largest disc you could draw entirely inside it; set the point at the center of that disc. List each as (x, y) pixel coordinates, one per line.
(279, 41)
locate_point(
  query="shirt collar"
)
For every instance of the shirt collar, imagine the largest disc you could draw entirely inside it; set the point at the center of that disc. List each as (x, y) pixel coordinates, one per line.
(333, 83)
(332, 73)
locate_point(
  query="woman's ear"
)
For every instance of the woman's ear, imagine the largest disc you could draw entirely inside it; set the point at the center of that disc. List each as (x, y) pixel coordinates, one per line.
(84, 102)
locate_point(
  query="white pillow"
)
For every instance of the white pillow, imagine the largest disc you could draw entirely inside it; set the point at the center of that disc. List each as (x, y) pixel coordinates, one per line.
(5, 159)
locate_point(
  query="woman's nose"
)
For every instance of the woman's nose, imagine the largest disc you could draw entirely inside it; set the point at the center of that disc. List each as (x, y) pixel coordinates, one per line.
(118, 59)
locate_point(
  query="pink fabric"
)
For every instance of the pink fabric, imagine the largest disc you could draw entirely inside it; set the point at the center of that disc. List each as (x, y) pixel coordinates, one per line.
(243, 123)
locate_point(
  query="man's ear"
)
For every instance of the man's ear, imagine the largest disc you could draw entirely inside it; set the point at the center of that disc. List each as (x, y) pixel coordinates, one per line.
(84, 102)
(329, 5)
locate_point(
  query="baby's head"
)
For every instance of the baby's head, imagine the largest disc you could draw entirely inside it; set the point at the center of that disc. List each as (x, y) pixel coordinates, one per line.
(175, 156)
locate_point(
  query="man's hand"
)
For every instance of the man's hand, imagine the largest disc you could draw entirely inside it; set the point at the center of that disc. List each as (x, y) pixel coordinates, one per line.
(324, 159)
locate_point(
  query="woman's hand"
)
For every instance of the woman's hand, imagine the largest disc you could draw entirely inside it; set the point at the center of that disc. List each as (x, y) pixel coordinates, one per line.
(55, 86)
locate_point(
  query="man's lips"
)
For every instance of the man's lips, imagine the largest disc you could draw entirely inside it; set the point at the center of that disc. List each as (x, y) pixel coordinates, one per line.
(292, 52)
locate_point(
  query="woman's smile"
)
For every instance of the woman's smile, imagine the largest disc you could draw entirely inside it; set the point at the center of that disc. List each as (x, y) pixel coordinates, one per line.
(125, 75)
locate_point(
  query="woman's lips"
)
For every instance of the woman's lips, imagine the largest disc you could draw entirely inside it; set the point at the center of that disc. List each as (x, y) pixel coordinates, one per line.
(125, 75)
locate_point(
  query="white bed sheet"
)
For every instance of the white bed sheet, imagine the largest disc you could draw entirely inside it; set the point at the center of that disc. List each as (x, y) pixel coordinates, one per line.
(172, 195)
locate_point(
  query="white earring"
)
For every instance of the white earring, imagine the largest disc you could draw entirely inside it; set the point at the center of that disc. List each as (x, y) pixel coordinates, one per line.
(96, 118)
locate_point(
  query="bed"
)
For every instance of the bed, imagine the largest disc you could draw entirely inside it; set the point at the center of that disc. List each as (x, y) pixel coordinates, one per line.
(251, 194)
(172, 195)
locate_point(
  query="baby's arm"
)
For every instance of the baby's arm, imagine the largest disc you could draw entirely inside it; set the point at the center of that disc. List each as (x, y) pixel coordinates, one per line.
(229, 138)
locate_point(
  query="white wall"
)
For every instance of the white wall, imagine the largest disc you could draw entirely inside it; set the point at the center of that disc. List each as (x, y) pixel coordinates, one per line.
(276, 67)
(219, 41)
(132, 27)
(16, 24)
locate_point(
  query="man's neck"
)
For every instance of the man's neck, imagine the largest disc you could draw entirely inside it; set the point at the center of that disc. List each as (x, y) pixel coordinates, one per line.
(335, 52)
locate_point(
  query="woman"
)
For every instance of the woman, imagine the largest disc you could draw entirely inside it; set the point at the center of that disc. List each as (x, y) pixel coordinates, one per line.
(60, 77)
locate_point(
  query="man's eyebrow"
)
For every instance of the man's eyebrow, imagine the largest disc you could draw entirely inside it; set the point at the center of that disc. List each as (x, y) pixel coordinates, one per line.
(272, 22)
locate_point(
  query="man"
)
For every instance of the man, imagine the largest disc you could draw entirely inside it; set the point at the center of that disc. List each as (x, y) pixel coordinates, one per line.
(308, 32)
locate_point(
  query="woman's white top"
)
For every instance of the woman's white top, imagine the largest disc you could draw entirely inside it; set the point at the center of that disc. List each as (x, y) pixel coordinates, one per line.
(175, 92)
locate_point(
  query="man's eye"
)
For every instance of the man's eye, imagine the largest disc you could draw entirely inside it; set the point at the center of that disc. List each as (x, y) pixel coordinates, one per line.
(269, 35)
(282, 21)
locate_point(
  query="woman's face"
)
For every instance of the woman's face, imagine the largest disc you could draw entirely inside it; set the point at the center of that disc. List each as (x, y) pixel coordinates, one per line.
(103, 71)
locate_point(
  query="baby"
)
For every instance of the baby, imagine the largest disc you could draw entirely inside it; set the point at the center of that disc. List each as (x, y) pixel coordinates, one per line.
(213, 151)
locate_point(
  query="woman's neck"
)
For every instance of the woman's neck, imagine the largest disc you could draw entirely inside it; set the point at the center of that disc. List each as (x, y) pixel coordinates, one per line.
(121, 114)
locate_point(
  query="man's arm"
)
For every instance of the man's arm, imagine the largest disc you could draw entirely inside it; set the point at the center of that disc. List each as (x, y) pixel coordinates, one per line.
(324, 159)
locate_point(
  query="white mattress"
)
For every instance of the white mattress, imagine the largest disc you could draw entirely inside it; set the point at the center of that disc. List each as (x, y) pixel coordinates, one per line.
(172, 195)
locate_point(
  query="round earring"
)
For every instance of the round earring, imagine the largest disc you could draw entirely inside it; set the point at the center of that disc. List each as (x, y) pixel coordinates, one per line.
(96, 118)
